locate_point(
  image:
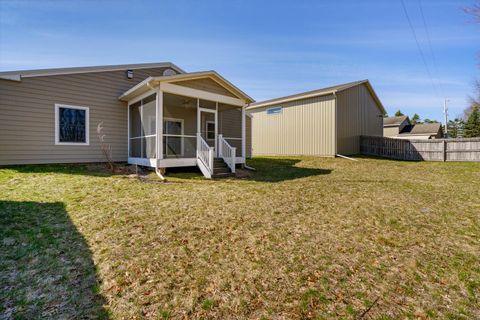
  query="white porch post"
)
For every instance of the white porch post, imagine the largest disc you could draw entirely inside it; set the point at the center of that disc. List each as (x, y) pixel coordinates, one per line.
(244, 135)
(198, 125)
(216, 129)
(198, 116)
(159, 126)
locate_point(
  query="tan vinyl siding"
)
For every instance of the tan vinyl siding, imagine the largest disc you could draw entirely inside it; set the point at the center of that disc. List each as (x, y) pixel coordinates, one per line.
(357, 114)
(390, 131)
(27, 115)
(206, 84)
(229, 121)
(304, 127)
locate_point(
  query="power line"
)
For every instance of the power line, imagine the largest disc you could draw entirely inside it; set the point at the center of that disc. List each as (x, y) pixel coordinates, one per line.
(434, 59)
(419, 48)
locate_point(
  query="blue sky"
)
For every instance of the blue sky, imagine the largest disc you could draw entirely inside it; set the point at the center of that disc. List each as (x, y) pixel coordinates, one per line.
(267, 48)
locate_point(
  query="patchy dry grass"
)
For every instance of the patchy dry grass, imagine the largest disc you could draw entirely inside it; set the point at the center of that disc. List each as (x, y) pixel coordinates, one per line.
(303, 238)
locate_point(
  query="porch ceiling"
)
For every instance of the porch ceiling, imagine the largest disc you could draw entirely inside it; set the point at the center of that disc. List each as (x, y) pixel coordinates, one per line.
(153, 82)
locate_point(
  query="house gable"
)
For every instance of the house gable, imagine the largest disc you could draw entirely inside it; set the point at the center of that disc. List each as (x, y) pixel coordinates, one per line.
(206, 84)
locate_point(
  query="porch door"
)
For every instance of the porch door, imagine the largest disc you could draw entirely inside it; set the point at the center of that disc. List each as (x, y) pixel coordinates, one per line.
(208, 126)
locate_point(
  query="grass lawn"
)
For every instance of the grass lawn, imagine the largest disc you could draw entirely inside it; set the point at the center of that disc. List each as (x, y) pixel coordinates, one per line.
(303, 238)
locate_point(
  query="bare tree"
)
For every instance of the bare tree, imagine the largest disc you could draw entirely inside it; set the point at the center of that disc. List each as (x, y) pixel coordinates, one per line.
(474, 101)
(106, 148)
(474, 11)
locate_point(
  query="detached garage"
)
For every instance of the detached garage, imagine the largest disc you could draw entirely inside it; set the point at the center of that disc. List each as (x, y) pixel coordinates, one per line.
(322, 122)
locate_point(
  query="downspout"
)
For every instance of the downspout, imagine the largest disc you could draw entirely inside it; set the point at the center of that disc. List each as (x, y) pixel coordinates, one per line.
(251, 126)
(157, 108)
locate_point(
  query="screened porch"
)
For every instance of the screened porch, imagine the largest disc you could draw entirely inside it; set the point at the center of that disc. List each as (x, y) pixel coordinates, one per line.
(183, 119)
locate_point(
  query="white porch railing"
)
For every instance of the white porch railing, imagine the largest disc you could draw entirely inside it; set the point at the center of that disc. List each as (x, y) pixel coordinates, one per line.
(205, 156)
(227, 152)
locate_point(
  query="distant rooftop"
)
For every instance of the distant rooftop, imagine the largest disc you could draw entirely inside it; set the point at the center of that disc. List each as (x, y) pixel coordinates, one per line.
(421, 129)
(394, 121)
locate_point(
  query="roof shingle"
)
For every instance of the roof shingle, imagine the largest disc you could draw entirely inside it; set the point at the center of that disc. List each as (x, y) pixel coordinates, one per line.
(394, 121)
(422, 128)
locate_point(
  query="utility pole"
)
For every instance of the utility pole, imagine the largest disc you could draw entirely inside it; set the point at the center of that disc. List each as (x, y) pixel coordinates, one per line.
(445, 111)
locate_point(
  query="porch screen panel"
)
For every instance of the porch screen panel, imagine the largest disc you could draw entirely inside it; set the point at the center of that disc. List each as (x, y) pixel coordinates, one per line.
(148, 147)
(135, 120)
(143, 128)
(207, 104)
(136, 148)
(230, 125)
(148, 116)
(179, 126)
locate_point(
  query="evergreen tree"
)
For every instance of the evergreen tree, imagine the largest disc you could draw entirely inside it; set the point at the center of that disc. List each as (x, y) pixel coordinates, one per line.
(398, 113)
(415, 119)
(455, 128)
(472, 126)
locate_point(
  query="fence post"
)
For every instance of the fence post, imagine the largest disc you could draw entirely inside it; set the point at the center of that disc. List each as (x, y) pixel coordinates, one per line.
(444, 150)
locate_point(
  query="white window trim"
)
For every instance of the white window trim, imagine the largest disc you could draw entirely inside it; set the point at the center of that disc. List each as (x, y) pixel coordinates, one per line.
(207, 122)
(57, 125)
(175, 135)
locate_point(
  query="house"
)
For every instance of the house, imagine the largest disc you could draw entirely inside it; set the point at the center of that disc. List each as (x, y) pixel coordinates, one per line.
(324, 122)
(155, 115)
(401, 128)
(392, 126)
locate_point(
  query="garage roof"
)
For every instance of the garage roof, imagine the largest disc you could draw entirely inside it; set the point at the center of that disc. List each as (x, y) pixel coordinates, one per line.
(318, 92)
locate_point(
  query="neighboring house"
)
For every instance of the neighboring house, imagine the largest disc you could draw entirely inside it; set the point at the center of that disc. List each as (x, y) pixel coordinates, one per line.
(392, 126)
(422, 131)
(323, 122)
(154, 115)
(401, 128)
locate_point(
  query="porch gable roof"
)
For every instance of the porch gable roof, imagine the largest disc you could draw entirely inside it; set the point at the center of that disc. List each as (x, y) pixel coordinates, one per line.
(152, 82)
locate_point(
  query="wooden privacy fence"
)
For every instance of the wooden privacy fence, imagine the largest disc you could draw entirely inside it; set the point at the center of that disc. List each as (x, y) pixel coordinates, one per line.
(418, 150)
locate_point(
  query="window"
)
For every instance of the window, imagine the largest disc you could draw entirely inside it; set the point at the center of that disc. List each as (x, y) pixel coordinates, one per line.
(71, 125)
(142, 118)
(173, 137)
(210, 130)
(274, 110)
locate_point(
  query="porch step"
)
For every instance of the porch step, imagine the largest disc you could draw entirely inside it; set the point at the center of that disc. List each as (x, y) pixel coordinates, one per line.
(221, 169)
(223, 175)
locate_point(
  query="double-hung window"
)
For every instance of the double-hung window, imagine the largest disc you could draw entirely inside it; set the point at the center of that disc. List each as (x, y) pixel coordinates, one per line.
(71, 125)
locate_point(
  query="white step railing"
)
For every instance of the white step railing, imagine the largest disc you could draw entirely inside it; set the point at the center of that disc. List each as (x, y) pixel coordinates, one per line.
(227, 152)
(205, 156)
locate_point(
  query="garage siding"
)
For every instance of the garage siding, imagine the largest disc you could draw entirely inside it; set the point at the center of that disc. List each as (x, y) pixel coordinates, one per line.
(304, 127)
(357, 114)
(27, 115)
(248, 136)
